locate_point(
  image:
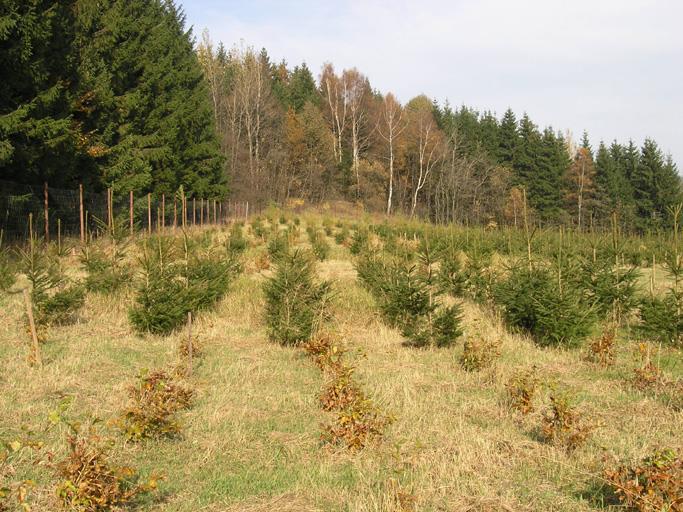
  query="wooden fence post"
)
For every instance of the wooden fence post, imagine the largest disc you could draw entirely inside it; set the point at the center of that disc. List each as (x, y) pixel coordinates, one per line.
(194, 211)
(201, 213)
(184, 207)
(35, 348)
(215, 220)
(149, 213)
(82, 217)
(175, 211)
(246, 215)
(189, 343)
(163, 211)
(109, 220)
(59, 235)
(130, 211)
(47, 215)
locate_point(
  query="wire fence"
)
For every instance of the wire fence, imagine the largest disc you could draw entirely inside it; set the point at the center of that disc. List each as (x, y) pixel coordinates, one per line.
(61, 213)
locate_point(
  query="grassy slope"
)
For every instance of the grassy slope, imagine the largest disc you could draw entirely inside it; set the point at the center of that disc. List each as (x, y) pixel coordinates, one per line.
(252, 439)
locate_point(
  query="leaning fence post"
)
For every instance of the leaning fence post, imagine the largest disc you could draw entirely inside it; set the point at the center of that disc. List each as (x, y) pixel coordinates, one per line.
(189, 343)
(82, 215)
(130, 211)
(35, 356)
(149, 213)
(30, 229)
(109, 209)
(47, 215)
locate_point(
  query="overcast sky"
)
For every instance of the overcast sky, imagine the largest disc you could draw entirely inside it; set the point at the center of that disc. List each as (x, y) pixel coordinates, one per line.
(612, 67)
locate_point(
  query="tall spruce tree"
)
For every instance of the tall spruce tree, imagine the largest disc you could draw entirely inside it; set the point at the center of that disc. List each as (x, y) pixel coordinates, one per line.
(302, 88)
(508, 138)
(144, 98)
(38, 140)
(656, 186)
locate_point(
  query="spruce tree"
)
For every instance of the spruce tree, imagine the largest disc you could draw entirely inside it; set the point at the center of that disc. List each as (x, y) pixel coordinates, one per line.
(508, 138)
(38, 140)
(144, 99)
(302, 88)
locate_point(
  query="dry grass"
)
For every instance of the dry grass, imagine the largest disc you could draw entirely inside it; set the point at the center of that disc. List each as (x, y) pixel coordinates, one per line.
(251, 441)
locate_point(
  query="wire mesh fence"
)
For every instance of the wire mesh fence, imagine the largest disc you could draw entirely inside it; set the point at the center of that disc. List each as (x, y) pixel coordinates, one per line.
(50, 212)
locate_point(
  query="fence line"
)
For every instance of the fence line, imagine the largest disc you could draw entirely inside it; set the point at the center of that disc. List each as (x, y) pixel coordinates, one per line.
(52, 212)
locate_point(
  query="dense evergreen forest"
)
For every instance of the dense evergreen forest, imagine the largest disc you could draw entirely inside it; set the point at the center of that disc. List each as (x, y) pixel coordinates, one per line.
(119, 93)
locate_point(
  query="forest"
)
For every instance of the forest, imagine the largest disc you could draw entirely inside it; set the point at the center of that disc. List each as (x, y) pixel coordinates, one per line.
(121, 94)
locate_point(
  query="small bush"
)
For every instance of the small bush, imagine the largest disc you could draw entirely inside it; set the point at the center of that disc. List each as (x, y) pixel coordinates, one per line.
(479, 354)
(319, 245)
(601, 350)
(236, 243)
(521, 390)
(654, 484)
(155, 400)
(662, 318)
(408, 298)
(341, 391)
(360, 241)
(341, 236)
(295, 304)
(610, 287)
(105, 273)
(533, 301)
(170, 288)
(356, 426)
(563, 425)
(327, 354)
(89, 483)
(278, 246)
(8, 274)
(258, 228)
(451, 278)
(55, 299)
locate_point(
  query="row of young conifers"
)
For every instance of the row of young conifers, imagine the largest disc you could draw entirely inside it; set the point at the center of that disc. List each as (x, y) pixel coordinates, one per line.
(562, 289)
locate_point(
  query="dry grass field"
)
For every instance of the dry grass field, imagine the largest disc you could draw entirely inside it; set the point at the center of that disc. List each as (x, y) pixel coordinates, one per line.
(252, 439)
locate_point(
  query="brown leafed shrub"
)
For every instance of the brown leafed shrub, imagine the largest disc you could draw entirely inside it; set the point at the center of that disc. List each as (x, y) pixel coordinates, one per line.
(563, 425)
(356, 426)
(601, 351)
(654, 484)
(521, 390)
(648, 377)
(89, 483)
(479, 354)
(154, 402)
(341, 391)
(327, 353)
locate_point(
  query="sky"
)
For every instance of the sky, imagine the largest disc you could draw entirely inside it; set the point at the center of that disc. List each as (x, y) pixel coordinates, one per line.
(611, 67)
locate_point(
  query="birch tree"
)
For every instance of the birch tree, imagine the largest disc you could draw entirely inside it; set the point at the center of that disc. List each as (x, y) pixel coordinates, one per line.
(390, 126)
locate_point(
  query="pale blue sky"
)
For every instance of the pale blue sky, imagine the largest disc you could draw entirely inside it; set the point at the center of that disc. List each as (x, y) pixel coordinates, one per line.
(613, 67)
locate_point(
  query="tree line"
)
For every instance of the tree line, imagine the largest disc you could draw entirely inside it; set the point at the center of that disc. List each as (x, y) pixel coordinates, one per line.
(119, 94)
(288, 136)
